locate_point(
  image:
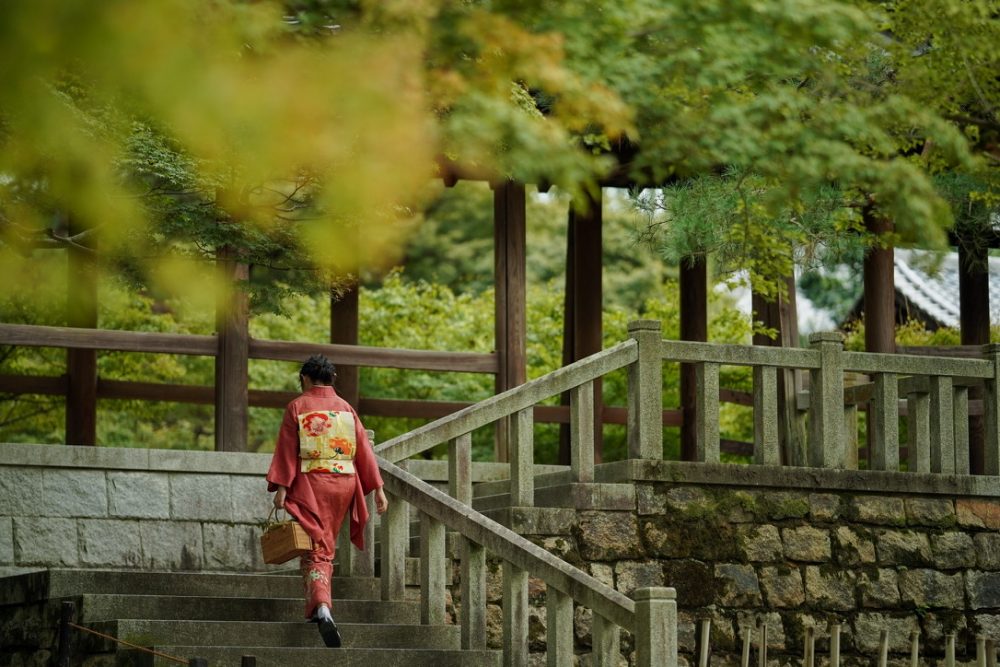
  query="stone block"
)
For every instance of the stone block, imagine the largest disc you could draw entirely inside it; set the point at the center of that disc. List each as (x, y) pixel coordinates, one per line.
(806, 544)
(46, 541)
(630, 575)
(687, 631)
(583, 622)
(693, 580)
(824, 507)
(608, 535)
(830, 588)
(6, 541)
(983, 589)
(987, 625)
(879, 588)
(537, 624)
(777, 639)
(895, 547)
(138, 495)
(494, 581)
(988, 550)
(73, 492)
(953, 550)
(172, 545)
(868, 628)
(737, 585)
(564, 547)
(760, 544)
(604, 573)
(782, 586)
(688, 500)
(20, 491)
(231, 546)
(201, 497)
(649, 499)
(930, 588)
(976, 513)
(494, 626)
(110, 543)
(879, 510)
(703, 540)
(778, 505)
(251, 501)
(934, 512)
(853, 547)
(937, 624)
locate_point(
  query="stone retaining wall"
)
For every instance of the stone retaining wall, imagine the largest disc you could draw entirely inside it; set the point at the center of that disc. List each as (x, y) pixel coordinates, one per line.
(160, 509)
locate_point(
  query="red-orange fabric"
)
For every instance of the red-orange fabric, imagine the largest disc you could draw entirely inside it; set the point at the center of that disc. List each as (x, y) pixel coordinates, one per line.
(334, 492)
(300, 501)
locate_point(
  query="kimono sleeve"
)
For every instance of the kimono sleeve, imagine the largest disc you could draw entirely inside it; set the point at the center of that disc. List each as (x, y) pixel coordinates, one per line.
(285, 462)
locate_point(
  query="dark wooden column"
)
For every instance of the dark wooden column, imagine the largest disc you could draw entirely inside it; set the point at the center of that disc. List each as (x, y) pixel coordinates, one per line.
(880, 290)
(344, 330)
(231, 370)
(510, 276)
(694, 327)
(974, 320)
(81, 365)
(583, 333)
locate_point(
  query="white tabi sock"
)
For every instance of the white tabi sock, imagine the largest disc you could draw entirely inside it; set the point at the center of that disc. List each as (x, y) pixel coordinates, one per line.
(323, 612)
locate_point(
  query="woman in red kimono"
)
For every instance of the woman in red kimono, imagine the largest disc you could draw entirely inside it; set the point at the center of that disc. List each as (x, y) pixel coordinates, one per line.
(323, 466)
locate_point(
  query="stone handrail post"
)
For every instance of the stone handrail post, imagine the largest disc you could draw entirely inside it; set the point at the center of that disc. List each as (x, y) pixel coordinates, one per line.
(942, 426)
(515, 615)
(473, 612)
(522, 459)
(432, 570)
(960, 410)
(655, 627)
(826, 402)
(605, 644)
(395, 538)
(581, 432)
(883, 422)
(766, 447)
(460, 468)
(645, 392)
(918, 424)
(707, 412)
(991, 409)
(558, 628)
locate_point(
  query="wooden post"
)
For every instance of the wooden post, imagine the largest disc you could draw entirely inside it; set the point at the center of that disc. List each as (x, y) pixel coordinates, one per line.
(835, 645)
(515, 615)
(66, 612)
(974, 320)
(704, 642)
(81, 365)
(231, 371)
(883, 648)
(762, 653)
(949, 650)
(990, 451)
(879, 287)
(809, 650)
(558, 628)
(510, 276)
(694, 327)
(583, 309)
(344, 330)
(914, 649)
(747, 639)
(655, 627)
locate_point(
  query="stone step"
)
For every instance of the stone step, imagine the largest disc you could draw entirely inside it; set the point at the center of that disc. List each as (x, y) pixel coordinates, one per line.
(107, 607)
(36, 586)
(274, 634)
(316, 657)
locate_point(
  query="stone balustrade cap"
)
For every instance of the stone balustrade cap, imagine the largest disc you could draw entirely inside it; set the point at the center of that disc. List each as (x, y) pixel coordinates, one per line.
(826, 337)
(991, 350)
(654, 593)
(644, 325)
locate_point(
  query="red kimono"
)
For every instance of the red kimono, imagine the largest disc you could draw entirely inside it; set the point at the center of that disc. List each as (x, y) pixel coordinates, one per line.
(324, 459)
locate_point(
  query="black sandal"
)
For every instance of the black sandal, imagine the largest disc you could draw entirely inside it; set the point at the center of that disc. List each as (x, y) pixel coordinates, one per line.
(328, 630)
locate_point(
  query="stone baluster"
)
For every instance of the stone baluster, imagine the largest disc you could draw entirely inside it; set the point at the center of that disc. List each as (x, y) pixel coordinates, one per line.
(747, 639)
(883, 420)
(851, 436)
(460, 468)
(655, 630)
(980, 651)
(762, 652)
(835, 645)
(960, 409)
(558, 628)
(942, 413)
(432, 570)
(766, 448)
(918, 418)
(645, 392)
(395, 536)
(605, 643)
(473, 613)
(991, 414)
(949, 650)
(809, 650)
(883, 648)
(704, 642)
(581, 432)
(915, 648)
(826, 402)
(707, 412)
(515, 615)
(522, 459)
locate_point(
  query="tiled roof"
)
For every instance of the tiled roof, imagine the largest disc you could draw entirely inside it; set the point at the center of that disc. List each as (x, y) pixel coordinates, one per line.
(929, 281)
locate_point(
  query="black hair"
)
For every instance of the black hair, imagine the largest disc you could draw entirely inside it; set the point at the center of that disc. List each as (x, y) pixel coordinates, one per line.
(319, 369)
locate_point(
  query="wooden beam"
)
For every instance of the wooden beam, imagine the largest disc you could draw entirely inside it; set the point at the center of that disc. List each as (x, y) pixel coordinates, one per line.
(33, 384)
(28, 335)
(694, 327)
(344, 330)
(361, 355)
(232, 376)
(81, 365)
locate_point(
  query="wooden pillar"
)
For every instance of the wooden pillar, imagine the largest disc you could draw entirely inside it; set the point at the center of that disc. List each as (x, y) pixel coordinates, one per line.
(880, 289)
(344, 330)
(510, 276)
(583, 332)
(231, 370)
(974, 320)
(694, 327)
(81, 365)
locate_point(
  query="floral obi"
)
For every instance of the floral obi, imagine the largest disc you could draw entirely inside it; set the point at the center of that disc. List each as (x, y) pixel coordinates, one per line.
(327, 441)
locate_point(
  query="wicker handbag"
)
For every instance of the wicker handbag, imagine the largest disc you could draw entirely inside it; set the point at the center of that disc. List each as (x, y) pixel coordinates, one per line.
(283, 540)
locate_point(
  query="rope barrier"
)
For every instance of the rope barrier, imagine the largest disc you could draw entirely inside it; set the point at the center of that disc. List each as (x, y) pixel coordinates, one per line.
(129, 644)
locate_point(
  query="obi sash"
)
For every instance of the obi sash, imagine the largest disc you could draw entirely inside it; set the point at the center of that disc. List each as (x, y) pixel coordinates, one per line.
(327, 441)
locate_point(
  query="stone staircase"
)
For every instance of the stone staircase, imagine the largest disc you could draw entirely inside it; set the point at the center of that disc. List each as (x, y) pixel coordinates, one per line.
(222, 617)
